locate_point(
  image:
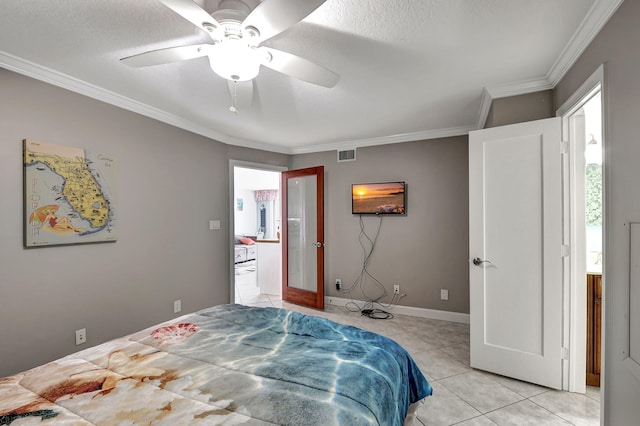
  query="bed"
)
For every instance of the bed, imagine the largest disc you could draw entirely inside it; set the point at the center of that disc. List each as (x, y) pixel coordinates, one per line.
(245, 249)
(230, 364)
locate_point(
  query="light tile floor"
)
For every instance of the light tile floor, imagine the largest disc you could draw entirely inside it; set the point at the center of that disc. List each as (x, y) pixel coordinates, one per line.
(247, 290)
(462, 396)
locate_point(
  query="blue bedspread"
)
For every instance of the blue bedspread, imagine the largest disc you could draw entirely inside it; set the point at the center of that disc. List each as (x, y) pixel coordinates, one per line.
(367, 368)
(228, 365)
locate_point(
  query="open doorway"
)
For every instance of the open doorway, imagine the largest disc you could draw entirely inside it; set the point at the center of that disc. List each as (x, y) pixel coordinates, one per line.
(256, 225)
(583, 129)
(593, 239)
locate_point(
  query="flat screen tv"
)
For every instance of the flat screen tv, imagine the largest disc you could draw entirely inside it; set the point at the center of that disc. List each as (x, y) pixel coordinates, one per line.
(378, 198)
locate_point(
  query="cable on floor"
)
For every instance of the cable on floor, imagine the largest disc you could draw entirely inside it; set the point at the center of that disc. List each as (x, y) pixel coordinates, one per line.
(376, 314)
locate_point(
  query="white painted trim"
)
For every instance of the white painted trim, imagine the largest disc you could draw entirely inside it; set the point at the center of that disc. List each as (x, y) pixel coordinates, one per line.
(485, 106)
(631, 359)
(56, 78)
(385, 140)
(596, 18)
(408, 310)
(232, 223)
(577, 295)
(599, 14)
(519, 87)
(38, 72)
(575, 312)
(585, 90)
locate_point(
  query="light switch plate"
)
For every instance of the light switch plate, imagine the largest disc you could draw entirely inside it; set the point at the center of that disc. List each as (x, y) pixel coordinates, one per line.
(444, 294)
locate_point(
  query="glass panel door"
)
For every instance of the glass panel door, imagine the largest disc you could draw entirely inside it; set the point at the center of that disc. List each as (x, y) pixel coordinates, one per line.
(303, 237)
(302, 225)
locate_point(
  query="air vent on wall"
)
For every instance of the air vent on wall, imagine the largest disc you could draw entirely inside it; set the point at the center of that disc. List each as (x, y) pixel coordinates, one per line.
(346, 155)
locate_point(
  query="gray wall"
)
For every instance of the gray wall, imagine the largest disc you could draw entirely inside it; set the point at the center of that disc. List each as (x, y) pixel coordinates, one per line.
(113, 289)
(424, 251)
(521, 108)
(617, 46)
(171, 183)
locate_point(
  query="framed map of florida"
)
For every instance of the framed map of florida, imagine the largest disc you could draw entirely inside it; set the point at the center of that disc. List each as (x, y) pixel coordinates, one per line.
(69, 195)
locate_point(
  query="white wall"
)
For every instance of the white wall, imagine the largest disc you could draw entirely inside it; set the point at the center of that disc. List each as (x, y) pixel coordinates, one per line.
(246, 220)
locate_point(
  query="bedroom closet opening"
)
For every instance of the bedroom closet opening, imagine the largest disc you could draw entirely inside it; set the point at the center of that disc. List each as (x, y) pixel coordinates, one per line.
(257, 257)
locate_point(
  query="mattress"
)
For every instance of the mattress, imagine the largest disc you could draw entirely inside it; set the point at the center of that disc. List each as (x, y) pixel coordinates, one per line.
(230, 364)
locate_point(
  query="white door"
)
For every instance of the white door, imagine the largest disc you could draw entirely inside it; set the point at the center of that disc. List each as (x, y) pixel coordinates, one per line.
(515, 231)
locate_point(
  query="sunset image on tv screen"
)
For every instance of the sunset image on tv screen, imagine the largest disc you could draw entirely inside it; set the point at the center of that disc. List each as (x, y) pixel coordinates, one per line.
(378, 198)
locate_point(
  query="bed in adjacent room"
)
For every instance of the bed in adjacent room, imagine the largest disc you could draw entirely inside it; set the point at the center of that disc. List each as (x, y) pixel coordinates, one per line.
(245, 249)
(230, 364)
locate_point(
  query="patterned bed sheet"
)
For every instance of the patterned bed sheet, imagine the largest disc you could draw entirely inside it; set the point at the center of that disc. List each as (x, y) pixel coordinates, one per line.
(230, 364)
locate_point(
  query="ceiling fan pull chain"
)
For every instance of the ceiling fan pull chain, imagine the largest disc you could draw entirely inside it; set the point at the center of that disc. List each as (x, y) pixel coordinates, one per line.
(234, 103)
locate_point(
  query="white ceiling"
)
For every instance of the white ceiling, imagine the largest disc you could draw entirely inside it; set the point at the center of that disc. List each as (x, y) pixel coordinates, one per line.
(410, 69)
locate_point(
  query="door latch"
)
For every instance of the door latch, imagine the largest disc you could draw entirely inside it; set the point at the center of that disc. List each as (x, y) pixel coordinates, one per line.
(477, 261)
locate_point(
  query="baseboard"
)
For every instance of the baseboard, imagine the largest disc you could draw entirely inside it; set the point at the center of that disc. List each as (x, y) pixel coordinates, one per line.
(408, 310)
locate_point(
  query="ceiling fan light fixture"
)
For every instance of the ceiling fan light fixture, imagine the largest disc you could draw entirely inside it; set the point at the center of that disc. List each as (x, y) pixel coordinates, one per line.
(237, 29)
(235, 60)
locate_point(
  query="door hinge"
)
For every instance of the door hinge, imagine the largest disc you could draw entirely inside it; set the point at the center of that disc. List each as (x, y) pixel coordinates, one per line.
(564, 353)
(564, 147)
(565, 250)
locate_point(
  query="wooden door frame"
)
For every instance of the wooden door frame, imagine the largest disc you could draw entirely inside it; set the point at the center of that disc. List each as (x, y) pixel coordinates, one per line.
(304, 297)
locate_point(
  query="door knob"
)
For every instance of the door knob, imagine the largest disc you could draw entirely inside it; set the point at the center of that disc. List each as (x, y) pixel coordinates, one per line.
(477, 261)
(317, 244)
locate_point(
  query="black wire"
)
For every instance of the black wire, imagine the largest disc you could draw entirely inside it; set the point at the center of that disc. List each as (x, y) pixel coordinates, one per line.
(376, 314)
(368, 309)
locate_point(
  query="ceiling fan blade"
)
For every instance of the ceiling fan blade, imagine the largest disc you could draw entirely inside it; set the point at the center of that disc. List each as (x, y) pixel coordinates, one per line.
(241, 94)
(191, 12)
(300, 68)
(164, 56)
(271, 17)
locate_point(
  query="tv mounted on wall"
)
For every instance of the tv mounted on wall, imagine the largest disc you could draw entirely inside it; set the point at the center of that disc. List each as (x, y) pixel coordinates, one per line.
(378, 198)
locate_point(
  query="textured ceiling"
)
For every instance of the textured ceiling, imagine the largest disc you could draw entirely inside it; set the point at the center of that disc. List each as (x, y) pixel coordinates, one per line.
(410, 69)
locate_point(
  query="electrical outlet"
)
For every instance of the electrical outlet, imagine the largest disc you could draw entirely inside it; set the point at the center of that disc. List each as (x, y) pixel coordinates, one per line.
(81, 336)
(396, 289)
(444, 294)
(338, 283)
(177, 306)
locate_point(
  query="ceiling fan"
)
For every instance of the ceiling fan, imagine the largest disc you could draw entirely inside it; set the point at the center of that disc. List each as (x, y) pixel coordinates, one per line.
(237, 32)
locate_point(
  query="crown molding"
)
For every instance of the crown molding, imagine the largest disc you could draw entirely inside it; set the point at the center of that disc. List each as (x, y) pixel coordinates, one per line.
(599, 14)
(64, 81)
(519, 87)
(597, 17)
(386, 140)
(47, 75)
(485, 106)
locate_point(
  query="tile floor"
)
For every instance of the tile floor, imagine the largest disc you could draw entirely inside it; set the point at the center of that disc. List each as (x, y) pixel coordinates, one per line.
(462, 395)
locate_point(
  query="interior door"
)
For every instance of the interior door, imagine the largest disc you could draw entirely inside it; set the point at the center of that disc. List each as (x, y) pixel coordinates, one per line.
(303, 237)
(515, 231)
